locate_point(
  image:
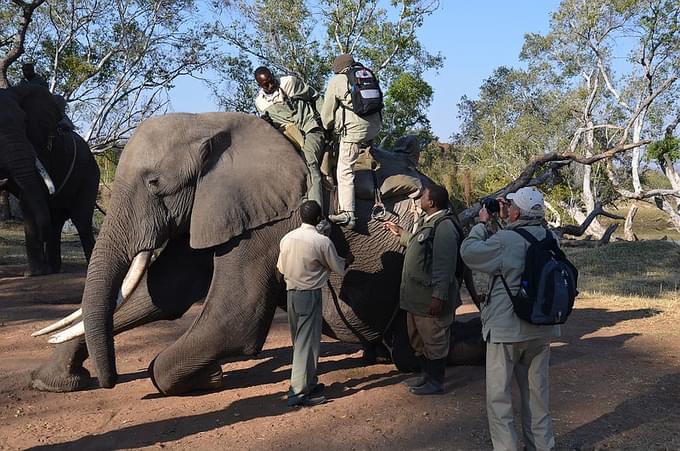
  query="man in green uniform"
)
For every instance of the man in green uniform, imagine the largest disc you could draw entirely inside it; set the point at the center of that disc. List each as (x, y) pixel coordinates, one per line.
(429, 289)
(356, 134)
(288, 101)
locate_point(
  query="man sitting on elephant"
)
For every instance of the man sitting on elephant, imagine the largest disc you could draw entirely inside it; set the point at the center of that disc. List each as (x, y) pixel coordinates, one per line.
(305, 261)
(289, 101)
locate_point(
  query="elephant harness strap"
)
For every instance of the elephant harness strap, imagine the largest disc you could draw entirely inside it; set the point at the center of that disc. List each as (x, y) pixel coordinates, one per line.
(70, 169)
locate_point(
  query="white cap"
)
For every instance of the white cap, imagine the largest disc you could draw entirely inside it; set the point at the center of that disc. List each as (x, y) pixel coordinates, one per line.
(528, 199)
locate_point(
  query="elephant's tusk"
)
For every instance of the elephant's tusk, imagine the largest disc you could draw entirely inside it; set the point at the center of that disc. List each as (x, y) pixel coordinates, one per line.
(135, 273)
(59, 324)
(132, 278)
(72, 332)
(45, 176)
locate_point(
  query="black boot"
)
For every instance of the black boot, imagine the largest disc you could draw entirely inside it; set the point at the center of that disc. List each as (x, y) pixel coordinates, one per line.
(421, 378)
(436, 370)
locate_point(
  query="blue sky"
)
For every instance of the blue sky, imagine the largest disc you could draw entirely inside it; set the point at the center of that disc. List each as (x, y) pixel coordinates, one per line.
(475, 37)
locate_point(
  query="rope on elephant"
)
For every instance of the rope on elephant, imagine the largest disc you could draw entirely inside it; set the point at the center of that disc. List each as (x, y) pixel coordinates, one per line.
(70, 170)
(359, 335)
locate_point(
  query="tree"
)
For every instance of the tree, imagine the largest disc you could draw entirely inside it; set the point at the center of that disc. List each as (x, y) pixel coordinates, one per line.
(114, 61)
(572, 79)
(302, 37)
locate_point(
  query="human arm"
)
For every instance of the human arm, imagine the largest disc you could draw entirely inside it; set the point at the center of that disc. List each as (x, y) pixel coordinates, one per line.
(298, 89)
(332, 260)
(481, 252)
(330, 104)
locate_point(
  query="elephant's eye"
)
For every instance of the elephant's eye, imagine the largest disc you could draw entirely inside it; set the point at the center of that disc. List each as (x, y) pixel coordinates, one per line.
(153, 182)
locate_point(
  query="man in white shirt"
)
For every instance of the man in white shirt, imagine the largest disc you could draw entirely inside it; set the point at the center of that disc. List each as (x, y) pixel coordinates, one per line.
(305, 260)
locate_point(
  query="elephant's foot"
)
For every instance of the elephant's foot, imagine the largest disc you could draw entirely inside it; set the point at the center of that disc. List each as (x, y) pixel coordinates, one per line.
(208, 378)
(64, 371)
(38, 270)
(49, 378)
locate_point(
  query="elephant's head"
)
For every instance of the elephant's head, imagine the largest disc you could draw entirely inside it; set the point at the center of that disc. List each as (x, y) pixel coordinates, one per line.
(213, 176)
(28, 117)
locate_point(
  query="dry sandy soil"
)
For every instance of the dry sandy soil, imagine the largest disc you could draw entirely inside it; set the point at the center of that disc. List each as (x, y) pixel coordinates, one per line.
(615, 384)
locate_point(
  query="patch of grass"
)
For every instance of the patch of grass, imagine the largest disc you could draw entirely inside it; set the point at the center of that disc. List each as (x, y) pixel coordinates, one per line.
(650, 222)
(631, 269)
(13, 251)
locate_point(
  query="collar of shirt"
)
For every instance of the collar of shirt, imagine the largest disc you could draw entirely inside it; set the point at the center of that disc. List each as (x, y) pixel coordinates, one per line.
(428, 217)
(308, 226)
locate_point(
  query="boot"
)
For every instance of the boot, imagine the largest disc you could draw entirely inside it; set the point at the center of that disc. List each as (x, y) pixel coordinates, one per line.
(343, 218)
(421, 378)
(436, 370)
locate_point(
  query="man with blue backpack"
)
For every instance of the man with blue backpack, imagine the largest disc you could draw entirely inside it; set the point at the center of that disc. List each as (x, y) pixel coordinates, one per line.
(531, 291)
(352, 111)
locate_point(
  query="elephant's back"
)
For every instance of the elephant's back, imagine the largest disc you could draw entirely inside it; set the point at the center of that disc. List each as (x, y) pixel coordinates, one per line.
(358, 306)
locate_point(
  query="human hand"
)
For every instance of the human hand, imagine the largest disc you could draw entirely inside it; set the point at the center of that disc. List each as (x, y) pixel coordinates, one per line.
(393, 228)
(483, 215)
(503, 202)
(436, 307)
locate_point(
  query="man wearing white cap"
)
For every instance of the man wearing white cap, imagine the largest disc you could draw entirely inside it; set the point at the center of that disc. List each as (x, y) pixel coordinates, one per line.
(513, 347)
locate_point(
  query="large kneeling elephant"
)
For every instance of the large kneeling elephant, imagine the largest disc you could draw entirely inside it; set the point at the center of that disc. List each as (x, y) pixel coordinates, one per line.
(216, 192)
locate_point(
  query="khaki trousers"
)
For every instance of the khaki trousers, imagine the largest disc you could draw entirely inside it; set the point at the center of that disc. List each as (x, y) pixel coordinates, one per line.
(528, 362)
(348, 153)
(429, 336)
(304, 319)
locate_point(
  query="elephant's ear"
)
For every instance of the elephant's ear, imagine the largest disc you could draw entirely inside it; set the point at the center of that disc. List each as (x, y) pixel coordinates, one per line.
(251, 176)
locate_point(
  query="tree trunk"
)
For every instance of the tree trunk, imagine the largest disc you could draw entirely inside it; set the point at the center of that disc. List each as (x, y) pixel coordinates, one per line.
(596, 229)
(628, 234)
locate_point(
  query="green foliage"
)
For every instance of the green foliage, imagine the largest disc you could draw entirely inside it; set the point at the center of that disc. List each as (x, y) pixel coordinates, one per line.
(669, 146)
(302, 37)
(406, 103)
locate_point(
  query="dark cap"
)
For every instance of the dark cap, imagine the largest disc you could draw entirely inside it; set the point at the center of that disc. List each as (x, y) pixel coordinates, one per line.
(342, 62)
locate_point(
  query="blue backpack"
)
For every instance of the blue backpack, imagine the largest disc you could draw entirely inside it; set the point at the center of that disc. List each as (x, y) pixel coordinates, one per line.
(548, 289)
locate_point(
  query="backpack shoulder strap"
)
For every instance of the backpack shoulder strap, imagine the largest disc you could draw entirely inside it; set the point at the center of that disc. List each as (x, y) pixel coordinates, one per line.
(526, 235)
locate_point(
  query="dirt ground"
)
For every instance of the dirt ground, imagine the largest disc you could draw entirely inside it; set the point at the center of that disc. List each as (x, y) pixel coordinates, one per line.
(615, 384)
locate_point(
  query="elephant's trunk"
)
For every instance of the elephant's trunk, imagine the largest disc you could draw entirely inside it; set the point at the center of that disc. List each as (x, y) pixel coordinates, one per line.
(123, 236)
(105, 274)
(20, 166)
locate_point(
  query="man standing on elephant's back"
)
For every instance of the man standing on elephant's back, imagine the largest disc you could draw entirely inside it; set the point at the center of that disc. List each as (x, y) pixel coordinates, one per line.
(305, 260)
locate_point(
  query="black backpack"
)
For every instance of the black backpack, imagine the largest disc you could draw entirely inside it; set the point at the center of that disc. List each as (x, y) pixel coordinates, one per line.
(367, 97)
(548, 289)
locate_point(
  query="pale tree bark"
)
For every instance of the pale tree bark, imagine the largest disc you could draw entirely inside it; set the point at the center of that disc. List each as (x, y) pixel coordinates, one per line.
(628, 234)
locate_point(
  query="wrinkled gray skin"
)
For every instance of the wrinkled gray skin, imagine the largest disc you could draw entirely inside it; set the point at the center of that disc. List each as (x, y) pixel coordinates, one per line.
(28, 129)
(222, 189)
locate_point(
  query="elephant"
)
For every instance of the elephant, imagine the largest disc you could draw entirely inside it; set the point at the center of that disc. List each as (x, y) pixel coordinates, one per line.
(216, 192)
(28, 131)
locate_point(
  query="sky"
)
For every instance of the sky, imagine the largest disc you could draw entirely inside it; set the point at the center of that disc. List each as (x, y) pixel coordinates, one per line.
(475, 37)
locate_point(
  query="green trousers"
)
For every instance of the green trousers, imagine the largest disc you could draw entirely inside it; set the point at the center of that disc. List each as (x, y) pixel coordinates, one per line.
(528, 362)
(304, 319)
(312, 151)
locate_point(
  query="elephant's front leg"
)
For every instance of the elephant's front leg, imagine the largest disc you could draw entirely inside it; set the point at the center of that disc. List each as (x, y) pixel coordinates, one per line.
(35, 247)
(235, 319)
(176, 280)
